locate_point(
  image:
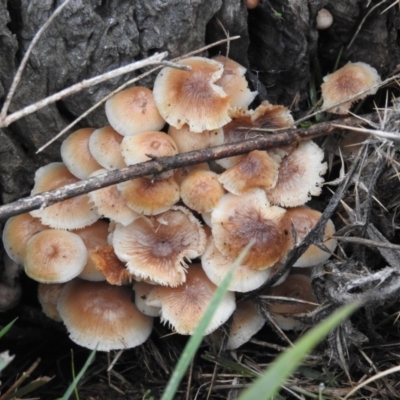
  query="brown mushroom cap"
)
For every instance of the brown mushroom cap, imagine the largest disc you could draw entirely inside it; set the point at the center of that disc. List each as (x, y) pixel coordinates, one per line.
(300, 176)
(183, 307)
(105, 147)
(101, 316)
(270, 116)
(159, 247)
(303, 219)
(346, 82)
(239, 219)
(48, 295)
(54, 256)
(73, 213)
(133, 110)
(17, 231)
(76, 155)
(192, 97)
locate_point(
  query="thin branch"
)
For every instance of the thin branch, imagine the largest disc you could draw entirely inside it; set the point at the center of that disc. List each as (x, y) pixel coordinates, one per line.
(18, 74)
(157, 165)
(367, 242)
(126, 84)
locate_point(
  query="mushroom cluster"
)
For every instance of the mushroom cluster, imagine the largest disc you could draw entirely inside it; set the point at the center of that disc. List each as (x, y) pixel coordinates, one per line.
(87, 251)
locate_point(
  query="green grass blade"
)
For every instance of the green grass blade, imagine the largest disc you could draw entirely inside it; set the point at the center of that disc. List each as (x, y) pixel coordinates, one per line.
(30, 387)
(269, 383)
(197, 337)
(7, 328)
(76, 380)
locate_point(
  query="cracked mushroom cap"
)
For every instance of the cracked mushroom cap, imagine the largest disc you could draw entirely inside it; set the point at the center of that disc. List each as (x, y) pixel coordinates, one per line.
(133, 110)
(234, 83)
(55, 256)
(183, 307)
(17, 231)
(257, 169)
(150, 197)
(239, 219)
(105, 147)
(216, 266)
(159, 247)
(74, 213)
(192, 97)
(102, 316)
(246, 322)
(300, 176)
(76, 155)
(303, 220)
(347, 82)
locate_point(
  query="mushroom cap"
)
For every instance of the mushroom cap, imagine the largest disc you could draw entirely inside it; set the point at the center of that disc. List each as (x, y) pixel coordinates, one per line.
(110, 203)
(48, 295)
(182, 172)
(149, 197)
(303, 219)
(76, 155)
(133, 110)
(324, 19)
(201, 191)
(246, 322)
(102, 316)
(346, 82)
(159, 247)
(74, 213)
(183, 307)
(192, 97)
(270, 116)
(186, 140)
(239, 219)
(216, 266)
(142, 290)
(255, 170)
(299, 176)
(105, 147)
(54, 256)
(234, 84)
(17, 231)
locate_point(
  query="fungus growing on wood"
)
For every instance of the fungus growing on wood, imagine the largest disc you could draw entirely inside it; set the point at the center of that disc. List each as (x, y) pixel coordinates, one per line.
(102, 316)
(192, 97)
(182, 307)
(346, 82)
(133, 110)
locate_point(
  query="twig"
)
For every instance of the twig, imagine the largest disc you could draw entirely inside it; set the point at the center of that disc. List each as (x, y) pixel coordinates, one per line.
(155, 59)
(367, 242)
(18, 74)
(158, 165)
(377, 133)
(126, 84)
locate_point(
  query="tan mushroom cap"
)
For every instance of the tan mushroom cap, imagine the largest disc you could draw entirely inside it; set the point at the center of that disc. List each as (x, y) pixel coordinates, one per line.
(300, 176)
(73, 213)
(192, 97)
(216, 266)
(186, 140)
(346, 82)
(239, 219)
(303, 219)
(201, 191)
(159, 247)
(142, 290)
(55, 256)
(184, 306)
(105, 147)
(48, 295)
(149, 197)
(270, 116)
(133, 110)
(246, 322)
(256, 170)
(183, 172)
(110, 203)
(102, 316)
(234, 84)
(76, 155)
(17, 231)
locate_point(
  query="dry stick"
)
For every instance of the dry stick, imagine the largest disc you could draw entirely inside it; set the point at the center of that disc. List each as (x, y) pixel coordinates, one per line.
(155, 59)
(126, 84)
(18, 74)
(158, 165)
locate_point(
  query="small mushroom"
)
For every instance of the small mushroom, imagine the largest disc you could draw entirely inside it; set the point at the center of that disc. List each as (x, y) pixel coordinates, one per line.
(48, 295)
(324, 19)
